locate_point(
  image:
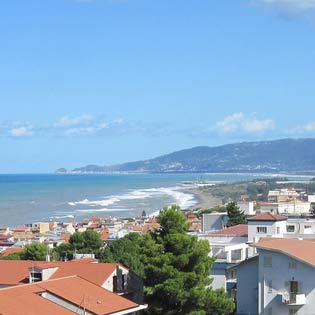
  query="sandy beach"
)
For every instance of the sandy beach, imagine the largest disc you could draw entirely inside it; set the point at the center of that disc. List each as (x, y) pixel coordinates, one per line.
(204, 199)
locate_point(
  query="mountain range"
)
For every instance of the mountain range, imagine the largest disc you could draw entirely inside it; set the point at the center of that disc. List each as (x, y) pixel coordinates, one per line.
(285, 155)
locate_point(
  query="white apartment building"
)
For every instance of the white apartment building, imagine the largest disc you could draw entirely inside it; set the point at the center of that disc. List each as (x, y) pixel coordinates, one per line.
(294, 207)
(282, 195)
(266, 225)
(229, 246)
(279, 281)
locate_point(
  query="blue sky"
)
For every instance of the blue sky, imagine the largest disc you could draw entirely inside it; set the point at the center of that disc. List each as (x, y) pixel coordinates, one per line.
(110, 81)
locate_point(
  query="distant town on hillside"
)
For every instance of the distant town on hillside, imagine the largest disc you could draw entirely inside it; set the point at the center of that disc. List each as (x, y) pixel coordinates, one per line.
(286, 155)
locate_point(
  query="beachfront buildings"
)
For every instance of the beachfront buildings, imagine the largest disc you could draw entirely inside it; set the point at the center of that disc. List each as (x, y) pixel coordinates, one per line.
(279, 280)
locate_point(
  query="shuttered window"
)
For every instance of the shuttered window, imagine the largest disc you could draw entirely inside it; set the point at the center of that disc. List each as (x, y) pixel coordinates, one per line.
(267, 261)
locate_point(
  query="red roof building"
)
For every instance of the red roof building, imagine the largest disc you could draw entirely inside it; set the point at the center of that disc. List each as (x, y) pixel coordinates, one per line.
(64, 296)
(268, 217)
(240, 230)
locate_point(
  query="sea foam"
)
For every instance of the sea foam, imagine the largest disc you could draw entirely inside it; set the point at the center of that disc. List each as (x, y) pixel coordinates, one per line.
(114, 202)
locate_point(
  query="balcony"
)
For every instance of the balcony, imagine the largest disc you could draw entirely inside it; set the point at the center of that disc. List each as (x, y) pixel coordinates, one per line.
(293, 299)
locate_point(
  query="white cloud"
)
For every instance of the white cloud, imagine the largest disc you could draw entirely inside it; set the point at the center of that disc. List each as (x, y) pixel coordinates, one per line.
(238, 122)
(291, 5)
(65, 126)
(255, 125)
(23, 131)
(88, 130)
(307, 128)
(79, 125)
(66, 121)
(230, 123)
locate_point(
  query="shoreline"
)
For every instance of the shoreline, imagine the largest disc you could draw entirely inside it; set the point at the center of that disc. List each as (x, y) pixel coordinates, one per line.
(204, 200)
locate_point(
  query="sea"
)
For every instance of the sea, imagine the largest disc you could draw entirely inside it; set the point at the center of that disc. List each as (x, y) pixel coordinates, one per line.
(27, 198)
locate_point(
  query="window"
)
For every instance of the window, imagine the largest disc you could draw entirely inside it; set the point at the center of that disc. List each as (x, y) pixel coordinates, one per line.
(278, 230)
(262, 229)
(124, 282)
(35, 276)
(115, 284)
(293, 311)
(307, 229)
(292, 264)
(267, 261)
(269, 286)
(290, 228)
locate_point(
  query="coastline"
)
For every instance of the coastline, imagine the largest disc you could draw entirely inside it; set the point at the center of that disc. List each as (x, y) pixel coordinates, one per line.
(204, 200)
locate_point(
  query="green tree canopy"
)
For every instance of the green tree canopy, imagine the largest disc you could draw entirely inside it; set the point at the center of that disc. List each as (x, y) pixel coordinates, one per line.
(172, 221)
(175, 267)
(35, 251)
(235, 214)
(127, 251)
(88, 241)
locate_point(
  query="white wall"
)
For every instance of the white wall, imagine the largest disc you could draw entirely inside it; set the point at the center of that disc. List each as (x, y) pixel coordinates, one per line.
(302, 226)
(311, 198)
(109, 284)
(247, 207)
(279, 273)
(214, 221)
(272, 229)
(218, 275)
(287, 208)
(247, 287)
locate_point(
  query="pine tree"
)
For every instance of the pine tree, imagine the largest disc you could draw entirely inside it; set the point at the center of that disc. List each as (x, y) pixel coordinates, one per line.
(175, 267)
(235, 214)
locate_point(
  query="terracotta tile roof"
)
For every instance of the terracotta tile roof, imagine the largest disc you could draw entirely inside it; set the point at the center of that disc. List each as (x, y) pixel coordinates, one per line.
(65, 237)
(46, 265)
(11, 250)
(303, 250)
(4, 237)
(95, 220)
(267, 217)
(96, 273)
(191, 217)
(104, 234)
(94, 226)
(240, 230)
(21, 229)
(26, 299)
(14, 272)
(148, 227)
(195, 227)
(151, 220)
(97, 300)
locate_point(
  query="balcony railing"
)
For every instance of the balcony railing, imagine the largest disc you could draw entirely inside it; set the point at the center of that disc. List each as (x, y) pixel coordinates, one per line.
(294, 298)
